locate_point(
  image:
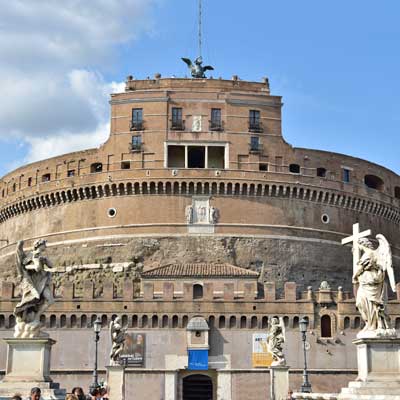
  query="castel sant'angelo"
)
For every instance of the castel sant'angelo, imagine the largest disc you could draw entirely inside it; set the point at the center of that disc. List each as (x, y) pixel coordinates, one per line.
(196, 206)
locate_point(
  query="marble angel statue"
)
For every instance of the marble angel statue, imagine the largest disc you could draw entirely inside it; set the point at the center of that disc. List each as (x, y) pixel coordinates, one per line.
(275, 341)
(35, 283)
(372, 267)
(117, 334)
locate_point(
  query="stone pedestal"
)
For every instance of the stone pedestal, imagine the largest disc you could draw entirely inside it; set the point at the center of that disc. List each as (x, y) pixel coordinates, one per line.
(279, 382)
(116, 382)
(28, 365)
(378, 370)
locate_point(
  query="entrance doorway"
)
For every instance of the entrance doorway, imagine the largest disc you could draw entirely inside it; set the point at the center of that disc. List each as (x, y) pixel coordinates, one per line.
(197, 387)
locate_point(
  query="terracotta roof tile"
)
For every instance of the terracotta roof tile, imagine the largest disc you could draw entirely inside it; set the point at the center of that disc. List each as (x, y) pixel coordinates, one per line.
(199, 271)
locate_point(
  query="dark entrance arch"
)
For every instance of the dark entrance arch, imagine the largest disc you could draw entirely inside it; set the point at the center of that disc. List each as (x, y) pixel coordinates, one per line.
(197, 387)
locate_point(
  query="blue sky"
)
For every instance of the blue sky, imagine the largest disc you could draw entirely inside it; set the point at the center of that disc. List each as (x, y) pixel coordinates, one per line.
(335, 63)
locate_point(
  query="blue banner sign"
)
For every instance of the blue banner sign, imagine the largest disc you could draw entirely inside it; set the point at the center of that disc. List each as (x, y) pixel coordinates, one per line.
(198, 360)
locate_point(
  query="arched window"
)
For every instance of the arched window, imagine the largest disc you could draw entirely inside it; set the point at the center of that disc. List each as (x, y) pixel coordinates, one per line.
(165, 321)
(175, 321)
(96, 167)
(397, 323)
(374, 182)
(264, 322)
(326, 326)
(63, 321)
(243, 322)
(321, 172)
(357, 322)
(134, 321)
(232, 322)
(11, 321)
(197, 291)
(84, 321)
(211, 321)
(253, 322)
(104, 321)
(295, 322)
(2, 321)
(145, 321)
(346, 323)
(294, 168)
(185, 321)
(53, 321)
(154, 321)
(286, 321)
(73, 321)
(221, 322)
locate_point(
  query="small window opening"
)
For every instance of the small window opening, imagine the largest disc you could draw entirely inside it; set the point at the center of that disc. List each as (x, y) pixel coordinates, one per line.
(46, 178)
(263, 167)
(136, 143)
(177, 123)
(397, 192)
(71, 172)
(196, 157)
(96, 167)
(294, 168)
(125, 165)
(197, 291)
(137, 119)
(14, 187)
(374, 182)
(29, 182)
(321, 172)
(198, 334)
(254, 121)
(346, 175)
(112, 212)
(255, 143)
(215, 123)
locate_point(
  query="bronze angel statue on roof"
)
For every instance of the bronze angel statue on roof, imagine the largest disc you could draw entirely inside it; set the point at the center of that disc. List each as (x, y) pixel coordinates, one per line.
(196, 69)
(35, 280)
(372, 267)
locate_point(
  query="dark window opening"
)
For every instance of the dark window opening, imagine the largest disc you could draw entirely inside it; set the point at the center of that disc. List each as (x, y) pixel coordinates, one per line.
(326, 326)
(321, 172)
(196, 157)
(137, 119)
(176, 157)
(177, 123)
(255, 143)
(294, 168)
(254, 121)
(397, 192)
(215, 123)
(96, 167)
(125, 164)
(46, 177)
(197, 291)
(263, 167)
(30, 181)
(71, 172)
(216, 157)
(136, 143)
(374, 182)
(14, 187)
(346, 175)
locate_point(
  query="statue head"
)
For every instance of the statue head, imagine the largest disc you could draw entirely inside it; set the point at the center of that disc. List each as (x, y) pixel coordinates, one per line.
(198, 60)
(275, 321)
(40, 243)
(364, 242)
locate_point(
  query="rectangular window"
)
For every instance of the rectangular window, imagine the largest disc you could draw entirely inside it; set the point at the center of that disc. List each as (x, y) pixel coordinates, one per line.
(71, 172)
(215, 123)
(46, 178)
(254, 121)
(136, 142)
(346, 175)
(30, 181)
(177, 123)
(263, 167)
(176, 157)
(125, 164)
(137, 119)
(254, 143)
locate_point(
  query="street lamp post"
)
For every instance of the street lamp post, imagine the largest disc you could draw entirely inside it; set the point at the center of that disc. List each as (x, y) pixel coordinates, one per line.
(306, 386)
(96, 328)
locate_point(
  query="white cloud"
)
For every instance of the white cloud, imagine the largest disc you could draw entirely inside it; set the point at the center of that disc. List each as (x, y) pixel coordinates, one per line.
(54, 96)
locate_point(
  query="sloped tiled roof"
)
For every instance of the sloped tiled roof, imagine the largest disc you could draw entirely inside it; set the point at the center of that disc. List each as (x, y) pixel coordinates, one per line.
(198, 271)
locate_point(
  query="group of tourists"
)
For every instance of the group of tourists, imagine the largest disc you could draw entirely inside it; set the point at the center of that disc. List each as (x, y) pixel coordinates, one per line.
(77, 393)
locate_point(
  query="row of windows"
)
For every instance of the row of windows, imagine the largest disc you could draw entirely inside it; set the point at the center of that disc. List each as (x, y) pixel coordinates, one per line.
(175, 321)
(178, 123)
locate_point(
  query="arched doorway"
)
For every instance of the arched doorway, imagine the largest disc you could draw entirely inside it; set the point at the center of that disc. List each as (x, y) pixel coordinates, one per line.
(326, 326)
(197, 387)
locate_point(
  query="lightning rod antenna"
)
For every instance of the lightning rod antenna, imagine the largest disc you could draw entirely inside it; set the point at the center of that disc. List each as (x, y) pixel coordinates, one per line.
(200, 18)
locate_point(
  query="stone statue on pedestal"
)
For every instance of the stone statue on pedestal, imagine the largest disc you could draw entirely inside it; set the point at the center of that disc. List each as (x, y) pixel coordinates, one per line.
(196, 68)
(275, 341)
(35, 280)
(117, 339)
(372, 267)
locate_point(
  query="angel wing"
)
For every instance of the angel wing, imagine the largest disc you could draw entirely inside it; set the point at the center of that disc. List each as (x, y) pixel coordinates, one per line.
(208, 68)
(282, 324)
(187, 61)
(112, 330)
(384, 258)
(20, 257)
